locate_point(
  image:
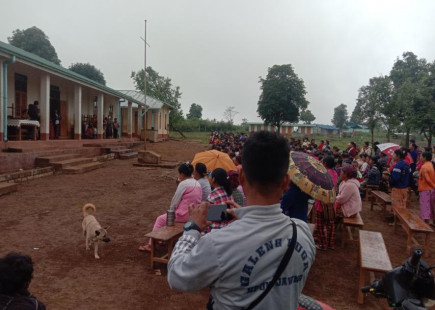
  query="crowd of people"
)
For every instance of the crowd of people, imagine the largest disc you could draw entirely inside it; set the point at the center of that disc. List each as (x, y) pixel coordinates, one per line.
(90, 127)
(230, 258)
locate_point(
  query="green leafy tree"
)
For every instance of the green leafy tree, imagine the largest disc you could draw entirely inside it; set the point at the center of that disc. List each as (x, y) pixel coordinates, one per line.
(283, 96)
(407, 75)
(161, 88)
(372, 99)
(195, 111)
(89, 71)
(307, 117)
(34, 40)
(340, 116)
(357, 114)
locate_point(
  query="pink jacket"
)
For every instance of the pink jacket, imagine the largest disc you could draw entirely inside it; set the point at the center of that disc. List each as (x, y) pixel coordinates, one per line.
(188, 191)
(349, 197)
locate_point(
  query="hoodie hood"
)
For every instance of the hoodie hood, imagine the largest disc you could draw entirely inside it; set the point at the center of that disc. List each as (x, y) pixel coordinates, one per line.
(354, 181)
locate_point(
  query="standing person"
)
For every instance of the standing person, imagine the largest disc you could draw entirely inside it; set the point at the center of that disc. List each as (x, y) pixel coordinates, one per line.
(115, 128)
(56, 124)
(325, 212)
(200, 175)
(109, 128)
(34, 115)
(238, 261)
(426, 187)
(188, 191)
(16, 272)
(294, 203)
(399, 180)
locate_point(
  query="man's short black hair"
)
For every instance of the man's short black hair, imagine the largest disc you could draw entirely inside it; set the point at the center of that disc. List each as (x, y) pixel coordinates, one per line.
(16, 272)
(265, 160)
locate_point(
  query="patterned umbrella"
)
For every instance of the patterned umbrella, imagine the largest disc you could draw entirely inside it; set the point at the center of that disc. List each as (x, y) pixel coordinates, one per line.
(311, 177)
(214, 159)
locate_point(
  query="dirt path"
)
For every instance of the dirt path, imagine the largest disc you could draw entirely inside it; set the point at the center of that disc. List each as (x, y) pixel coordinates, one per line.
(44, 217)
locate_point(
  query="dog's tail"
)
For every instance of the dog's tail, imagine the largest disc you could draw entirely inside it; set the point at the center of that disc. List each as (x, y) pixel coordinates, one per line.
(86, 207)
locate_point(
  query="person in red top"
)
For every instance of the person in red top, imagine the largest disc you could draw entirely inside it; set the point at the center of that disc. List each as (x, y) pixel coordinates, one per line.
(320, 147)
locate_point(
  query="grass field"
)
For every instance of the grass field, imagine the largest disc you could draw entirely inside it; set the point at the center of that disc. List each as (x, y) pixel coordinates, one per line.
(341, 143)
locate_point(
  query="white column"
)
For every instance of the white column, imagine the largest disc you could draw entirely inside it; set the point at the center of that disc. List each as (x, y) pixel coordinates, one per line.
(1, 100)
(44, 106)
(77, 112)
(100, 116)
(130, 120)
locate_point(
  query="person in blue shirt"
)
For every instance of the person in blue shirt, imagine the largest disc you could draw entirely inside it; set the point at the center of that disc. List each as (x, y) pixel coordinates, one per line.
(399, 180)
(294, 203)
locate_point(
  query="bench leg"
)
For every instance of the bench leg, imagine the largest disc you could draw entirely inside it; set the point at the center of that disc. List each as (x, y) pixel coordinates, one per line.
(426, 245)
(409, 242)
(170, 248)
(362, 282)
(153, 246)
(372, 202)
(343, 234)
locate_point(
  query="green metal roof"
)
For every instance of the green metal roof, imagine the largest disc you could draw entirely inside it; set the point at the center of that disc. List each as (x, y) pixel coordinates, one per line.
(22, 55)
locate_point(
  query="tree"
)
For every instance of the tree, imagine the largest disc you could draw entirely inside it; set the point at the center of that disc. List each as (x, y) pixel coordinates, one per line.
(372, 99)
(407, 75)
(357, 114)
(89, 71)
(340, 116)
(161, 88)
(282, 97)
(229, 114)
(195, 111)
(34, 40)
(307, 117)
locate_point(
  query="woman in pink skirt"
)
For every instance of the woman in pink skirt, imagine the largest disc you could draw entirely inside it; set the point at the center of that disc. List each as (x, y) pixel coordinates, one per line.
(426, 187)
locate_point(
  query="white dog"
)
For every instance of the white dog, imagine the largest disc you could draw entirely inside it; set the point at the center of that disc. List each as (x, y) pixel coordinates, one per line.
(92, 229)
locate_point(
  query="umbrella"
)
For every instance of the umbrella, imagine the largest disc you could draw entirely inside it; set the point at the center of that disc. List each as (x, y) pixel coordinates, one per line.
(389, 148)
(311, 177)
(214, 159)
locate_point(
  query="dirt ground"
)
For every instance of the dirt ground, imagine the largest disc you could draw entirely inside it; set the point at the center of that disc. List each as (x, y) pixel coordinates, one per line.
(44, 217)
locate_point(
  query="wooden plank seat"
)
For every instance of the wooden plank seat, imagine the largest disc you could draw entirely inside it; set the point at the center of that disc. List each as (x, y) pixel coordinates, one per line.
(348, 223)
(167, 234)
(381, 199)
(373, 257)
(413, 224)
(369, 189)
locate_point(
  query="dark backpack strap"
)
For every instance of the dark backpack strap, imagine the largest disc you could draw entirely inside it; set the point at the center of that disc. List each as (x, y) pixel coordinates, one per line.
(282, 265)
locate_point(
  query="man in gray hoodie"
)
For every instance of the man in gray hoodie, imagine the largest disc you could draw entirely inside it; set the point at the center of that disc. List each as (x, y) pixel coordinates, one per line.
(237, 262)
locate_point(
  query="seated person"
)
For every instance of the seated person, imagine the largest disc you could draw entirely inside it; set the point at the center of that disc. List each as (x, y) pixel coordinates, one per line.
(348, 202)
(188, 191)
(200, 175)
(294, 203)
(16, 272)
(373, 175)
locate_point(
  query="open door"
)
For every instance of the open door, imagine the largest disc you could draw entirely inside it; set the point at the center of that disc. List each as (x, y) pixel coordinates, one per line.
(64, 120)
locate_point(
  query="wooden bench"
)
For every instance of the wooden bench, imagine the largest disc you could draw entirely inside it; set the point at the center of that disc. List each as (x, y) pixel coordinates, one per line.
(381, 199)
(168, 235)
(413, 224)
(373, 258)
(349, 223)
(369, 189)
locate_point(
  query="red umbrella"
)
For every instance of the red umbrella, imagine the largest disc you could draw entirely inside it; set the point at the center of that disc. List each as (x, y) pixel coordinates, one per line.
(389, 148)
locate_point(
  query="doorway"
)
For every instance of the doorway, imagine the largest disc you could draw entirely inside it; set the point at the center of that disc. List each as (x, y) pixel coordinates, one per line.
(54, 106)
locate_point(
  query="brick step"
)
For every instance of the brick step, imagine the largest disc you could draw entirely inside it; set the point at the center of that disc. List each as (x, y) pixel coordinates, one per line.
(45, 161)
(128, 155)
(70, 162)
(82, 168)
(6, 188)
(120, 151)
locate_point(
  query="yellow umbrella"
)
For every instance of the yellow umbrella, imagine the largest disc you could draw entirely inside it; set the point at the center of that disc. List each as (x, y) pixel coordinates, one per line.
(214, 159)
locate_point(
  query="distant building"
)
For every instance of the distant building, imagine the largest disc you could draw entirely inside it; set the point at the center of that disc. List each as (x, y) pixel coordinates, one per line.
(290, 129)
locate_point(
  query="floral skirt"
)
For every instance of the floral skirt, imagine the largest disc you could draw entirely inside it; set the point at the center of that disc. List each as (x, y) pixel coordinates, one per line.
(427, 204)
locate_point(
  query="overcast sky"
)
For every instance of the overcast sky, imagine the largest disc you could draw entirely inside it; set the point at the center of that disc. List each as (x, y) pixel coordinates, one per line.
(216, 50)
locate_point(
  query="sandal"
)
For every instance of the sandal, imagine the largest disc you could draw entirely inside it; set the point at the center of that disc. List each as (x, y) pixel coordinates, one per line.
(144, 248)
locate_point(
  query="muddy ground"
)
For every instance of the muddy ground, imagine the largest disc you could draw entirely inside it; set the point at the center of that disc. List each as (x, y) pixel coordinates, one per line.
(44, 217)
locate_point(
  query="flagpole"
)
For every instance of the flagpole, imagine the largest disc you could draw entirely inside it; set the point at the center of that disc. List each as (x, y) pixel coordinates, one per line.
(145, 87)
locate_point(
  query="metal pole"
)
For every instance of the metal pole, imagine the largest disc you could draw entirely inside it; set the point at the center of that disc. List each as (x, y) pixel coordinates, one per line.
(145, 87)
